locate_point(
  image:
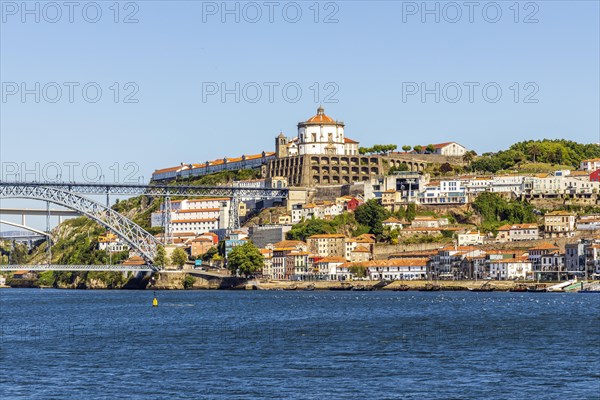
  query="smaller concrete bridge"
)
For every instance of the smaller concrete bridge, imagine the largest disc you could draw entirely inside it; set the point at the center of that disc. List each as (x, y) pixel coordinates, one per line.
(74, 268)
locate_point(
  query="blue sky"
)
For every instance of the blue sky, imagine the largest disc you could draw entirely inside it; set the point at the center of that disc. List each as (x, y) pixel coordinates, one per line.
(371, 56)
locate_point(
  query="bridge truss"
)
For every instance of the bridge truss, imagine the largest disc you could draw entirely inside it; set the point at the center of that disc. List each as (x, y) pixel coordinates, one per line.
(73, 268)
(139, 239)
(167, 191)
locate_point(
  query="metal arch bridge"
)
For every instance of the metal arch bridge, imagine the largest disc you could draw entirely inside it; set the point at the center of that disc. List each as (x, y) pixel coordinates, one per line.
(76, 268)
(67, 195)
(133, 234)
(234, 192)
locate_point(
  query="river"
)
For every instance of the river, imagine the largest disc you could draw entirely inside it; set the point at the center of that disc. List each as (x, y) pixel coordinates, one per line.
(70, 344)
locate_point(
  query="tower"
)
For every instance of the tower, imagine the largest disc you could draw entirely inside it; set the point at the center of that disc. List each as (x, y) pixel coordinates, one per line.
(281, 146)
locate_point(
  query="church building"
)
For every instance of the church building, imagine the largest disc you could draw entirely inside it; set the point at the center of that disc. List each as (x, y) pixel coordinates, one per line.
(321, 154)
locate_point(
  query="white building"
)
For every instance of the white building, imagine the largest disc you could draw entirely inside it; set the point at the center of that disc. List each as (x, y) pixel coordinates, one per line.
(590, 165)
(111, 243)
(319, 134)
(510, 268)
(428, 222)
(350, 245)
(392, 223)
(196, 215)
(443, 192)
(588, 223)
(397, 269)
(451, 149)
(470, 238)
(507, 184)
(324, 210)
(518, 232)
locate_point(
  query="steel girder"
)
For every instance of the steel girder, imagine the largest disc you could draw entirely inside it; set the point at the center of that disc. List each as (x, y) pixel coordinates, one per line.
(157, 190)
(140, 240)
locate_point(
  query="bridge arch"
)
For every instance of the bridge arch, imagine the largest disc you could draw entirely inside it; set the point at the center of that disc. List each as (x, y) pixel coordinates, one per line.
(28, 228)
(139, 239)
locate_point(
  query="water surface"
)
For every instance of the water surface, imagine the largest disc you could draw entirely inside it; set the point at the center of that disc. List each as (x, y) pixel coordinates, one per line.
(68, 344)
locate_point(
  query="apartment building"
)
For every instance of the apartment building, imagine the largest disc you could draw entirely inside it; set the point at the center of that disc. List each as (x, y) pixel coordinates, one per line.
(517, 232)
(327, 245)
(559, 224)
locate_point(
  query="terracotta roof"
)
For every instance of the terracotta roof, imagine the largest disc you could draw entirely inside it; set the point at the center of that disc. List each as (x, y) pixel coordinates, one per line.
(397, 262)
(219, 161)
(414, 254)
(560, 213)
(179, 221)
(439, 145)
(393, 220)
(332, 260)
(289, 243)
(347, 140)
(201, 239)
(135, 260)
(361, 249)
(196, 210)
(517, 226)
(544, 246)
(425, 218)
(327, 236)
(320, 118)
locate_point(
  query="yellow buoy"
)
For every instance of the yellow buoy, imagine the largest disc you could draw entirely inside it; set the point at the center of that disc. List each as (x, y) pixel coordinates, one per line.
(154, 301)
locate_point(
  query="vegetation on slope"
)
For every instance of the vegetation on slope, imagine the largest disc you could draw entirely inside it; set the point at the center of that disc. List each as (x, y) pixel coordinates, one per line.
(558, 152)
(495, 211)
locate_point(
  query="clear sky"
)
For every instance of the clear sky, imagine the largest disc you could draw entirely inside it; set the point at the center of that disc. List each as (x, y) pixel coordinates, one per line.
(369, 59)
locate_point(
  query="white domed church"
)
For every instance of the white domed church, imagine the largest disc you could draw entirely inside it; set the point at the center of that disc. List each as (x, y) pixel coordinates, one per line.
(318, 135)
(321, 154)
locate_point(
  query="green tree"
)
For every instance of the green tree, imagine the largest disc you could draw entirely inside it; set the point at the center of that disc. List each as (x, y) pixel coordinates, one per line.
(371, 214)
(411, 211)
(468, 157)
(210, 253)
(418, 148)
(534, 149)
(245, 260)
(359, 271)
(188, 282)
(496, 211)
(406, 148)
(399, 168)
(160, 257)
(430, 148)
(313, 226)
(179, 257)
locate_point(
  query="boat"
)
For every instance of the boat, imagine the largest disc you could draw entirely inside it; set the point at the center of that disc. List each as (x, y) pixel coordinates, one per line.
(293, 287)
(537, 289)
(454, 288)
(486, 287)
(401, 288)
(521, 287)
(343, 286)
(430, 288)
(309, 288)
(362, 288)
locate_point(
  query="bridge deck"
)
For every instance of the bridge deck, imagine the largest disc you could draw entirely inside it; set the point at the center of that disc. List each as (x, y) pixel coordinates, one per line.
(73, 268)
